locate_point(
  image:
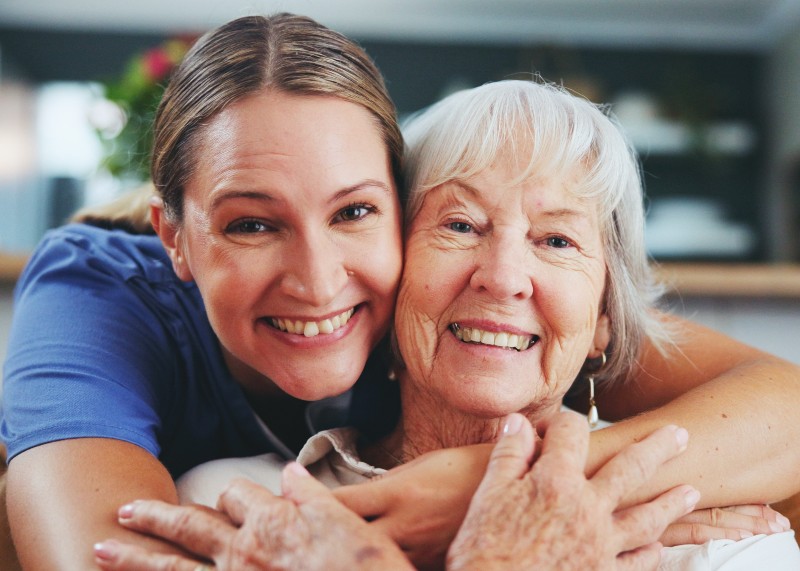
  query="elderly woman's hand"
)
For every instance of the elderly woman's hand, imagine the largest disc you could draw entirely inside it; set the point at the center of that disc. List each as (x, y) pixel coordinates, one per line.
(550, 516)
(305, 529)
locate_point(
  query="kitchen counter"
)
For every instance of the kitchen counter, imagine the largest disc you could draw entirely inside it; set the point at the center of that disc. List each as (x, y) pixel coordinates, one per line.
(11, 266)
(731, 280)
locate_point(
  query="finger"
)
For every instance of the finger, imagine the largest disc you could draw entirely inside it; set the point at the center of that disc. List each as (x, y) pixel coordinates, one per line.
(643, 558)
(682, 533)
(566, 442)
(645, 523)
(240, 495)
(368, 500)
(113, 555)
(728, 518)
(195, 528)
(511, 456)
(301, 487)
(638, 463)
(762, 511)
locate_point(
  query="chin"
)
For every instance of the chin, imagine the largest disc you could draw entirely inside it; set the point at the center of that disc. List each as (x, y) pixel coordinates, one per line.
(321, 382)
(486, 406)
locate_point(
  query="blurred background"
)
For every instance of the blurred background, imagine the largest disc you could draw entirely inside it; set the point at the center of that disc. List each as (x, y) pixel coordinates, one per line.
(707, 90)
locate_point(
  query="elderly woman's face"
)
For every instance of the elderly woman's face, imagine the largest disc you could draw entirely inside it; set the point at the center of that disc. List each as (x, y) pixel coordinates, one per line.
(500, 298)
(292, 232)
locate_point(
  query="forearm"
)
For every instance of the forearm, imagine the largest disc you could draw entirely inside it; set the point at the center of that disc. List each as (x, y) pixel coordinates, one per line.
(743, 434)
(63, 497)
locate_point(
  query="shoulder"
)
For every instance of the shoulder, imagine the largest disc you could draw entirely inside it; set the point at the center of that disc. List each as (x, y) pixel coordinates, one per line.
(80, 247)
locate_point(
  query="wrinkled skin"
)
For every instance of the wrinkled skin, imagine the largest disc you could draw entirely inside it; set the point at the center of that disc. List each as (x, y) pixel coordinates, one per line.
(544, 516)
(551, 517)
(521, 516)
(421, 506)
(306, 529)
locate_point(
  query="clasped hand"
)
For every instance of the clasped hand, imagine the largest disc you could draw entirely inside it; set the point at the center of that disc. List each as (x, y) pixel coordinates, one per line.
(544, 514)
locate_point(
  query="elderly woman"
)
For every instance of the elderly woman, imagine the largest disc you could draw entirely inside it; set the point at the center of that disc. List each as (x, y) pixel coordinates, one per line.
(525, 266)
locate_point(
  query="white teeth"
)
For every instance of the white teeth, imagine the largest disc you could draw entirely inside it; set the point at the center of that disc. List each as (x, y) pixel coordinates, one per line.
(501, 339)
(313, 328)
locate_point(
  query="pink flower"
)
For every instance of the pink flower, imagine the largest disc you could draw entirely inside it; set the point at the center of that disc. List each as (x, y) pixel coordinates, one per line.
(157, 64)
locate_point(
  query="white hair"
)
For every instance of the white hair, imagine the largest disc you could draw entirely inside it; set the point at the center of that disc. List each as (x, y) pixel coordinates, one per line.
(463, 134)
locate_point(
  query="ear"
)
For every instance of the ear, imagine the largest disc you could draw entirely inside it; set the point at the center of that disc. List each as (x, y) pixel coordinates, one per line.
(170, 234)
(602, 336)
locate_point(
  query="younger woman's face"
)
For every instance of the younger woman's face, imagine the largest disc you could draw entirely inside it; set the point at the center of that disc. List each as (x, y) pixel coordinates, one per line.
(292, 232)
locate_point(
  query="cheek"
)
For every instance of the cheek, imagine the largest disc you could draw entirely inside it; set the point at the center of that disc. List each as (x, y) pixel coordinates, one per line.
(570, 308)
(424, 302)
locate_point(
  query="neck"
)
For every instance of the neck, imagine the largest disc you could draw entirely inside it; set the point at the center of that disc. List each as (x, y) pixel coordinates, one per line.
(285, 416)
(427, 423)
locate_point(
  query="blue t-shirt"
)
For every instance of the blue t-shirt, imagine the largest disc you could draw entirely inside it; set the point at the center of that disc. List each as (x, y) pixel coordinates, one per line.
(107, 342)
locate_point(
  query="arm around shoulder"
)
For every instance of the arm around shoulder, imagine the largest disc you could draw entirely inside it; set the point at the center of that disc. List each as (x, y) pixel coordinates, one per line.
(63, 497)
(738, 403)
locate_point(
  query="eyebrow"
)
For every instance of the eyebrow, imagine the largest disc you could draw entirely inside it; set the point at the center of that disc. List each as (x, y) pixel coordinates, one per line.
(369, 183)
(557, 213)
(266, 197)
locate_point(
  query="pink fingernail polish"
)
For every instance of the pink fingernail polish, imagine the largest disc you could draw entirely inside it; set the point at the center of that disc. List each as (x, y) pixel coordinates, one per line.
(298, 470)
(125, 512)
(513, 424)
(682, 436)
(106, 550)
(775, 527)
(691, 497)
(745, 534)
(784, 521)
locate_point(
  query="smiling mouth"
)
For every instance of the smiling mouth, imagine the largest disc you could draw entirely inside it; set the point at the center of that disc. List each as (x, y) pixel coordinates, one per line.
(493, 338)
(312, 328)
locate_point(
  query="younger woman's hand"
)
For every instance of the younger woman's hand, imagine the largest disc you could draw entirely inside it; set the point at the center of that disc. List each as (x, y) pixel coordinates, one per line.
(734, 522)
(422, 503)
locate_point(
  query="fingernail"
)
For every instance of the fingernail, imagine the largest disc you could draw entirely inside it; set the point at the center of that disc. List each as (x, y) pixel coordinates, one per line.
(691, 497)
(682, 436)
(513, 424)
(775, 527)
(126, 511)
(784, 521)
(298, 470)
(106, 550)
(745, 534)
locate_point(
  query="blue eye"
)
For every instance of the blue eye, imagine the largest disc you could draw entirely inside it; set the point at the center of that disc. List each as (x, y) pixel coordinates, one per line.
(461, 227)
(558, 242)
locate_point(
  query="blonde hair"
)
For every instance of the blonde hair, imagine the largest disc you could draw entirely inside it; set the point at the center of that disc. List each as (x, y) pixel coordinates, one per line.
(129, 212)
(465, 133)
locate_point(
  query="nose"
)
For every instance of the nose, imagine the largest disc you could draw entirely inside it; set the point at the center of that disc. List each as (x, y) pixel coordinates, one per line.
(314, 272)
(502, 268)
